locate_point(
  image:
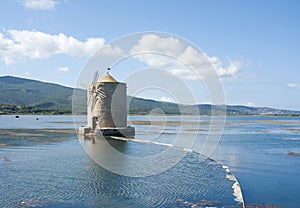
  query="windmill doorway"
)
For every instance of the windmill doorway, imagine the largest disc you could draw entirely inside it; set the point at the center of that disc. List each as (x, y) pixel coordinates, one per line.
(95, 122)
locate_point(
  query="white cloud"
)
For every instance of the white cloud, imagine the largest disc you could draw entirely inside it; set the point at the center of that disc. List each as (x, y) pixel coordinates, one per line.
(40, 4)
(147, 48)
(294, 85)
(184, 73)
(152, 42)
(111, 51)
(183, 56)
(63, 69)
(167, 99)
(231, 71)
(20, 45)
(17, 45)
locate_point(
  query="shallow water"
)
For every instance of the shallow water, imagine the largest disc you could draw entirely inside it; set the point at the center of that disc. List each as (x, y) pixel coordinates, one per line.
(39, 122)
(60, 174)
(255, 149)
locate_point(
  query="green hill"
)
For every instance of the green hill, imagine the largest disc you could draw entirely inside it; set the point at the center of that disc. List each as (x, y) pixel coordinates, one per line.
(26, 96)
(145, 106)
(20, 91)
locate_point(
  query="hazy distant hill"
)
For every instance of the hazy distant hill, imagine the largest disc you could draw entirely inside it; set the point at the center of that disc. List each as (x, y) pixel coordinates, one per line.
(41, 95)
(145, 106)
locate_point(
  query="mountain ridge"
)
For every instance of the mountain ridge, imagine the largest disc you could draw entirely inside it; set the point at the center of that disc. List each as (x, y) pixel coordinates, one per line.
(42, 97)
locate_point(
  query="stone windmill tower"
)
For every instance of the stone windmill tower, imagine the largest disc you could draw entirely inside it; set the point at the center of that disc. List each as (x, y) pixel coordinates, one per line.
(107, 108)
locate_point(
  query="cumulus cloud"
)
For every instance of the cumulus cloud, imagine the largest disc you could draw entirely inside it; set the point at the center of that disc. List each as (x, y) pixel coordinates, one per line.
(155, 51)
(185, 73)
(17, 45)
(148, 45)
(180, 59)
(294, 85)
(111, 51)
(230, 71)
(40, 4)
(63, 69)
(152, 42)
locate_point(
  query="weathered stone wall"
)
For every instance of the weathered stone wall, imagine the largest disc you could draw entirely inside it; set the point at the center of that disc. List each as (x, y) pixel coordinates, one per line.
(111, 110)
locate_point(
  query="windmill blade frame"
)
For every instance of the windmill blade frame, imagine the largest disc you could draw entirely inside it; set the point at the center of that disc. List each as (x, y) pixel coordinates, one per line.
(91, 99)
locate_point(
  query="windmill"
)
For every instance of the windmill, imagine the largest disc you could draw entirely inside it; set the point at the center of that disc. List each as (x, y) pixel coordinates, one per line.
(107, 107)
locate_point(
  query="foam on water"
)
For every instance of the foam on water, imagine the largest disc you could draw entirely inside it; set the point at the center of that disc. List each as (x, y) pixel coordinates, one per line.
(237, 191)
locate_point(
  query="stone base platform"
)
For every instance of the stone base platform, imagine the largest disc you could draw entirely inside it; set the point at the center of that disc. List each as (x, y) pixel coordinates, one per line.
(128, 131)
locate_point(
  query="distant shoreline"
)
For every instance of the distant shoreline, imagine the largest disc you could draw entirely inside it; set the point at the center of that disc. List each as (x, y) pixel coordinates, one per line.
(61, 113)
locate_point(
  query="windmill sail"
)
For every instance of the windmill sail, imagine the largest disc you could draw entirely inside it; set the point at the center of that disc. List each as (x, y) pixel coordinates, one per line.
(91, 99)
(95, 92)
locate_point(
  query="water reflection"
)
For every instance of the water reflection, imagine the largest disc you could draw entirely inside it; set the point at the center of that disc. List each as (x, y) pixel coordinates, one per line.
(194, 181)
(129, 158)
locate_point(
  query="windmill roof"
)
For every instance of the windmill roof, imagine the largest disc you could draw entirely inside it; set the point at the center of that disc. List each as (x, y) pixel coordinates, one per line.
(107, 78)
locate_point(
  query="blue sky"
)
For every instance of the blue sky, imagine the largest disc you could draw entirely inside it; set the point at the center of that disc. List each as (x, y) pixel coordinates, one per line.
(51, 40)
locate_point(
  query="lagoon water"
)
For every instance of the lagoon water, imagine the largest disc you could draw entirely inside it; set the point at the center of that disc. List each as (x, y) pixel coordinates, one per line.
(43, 167)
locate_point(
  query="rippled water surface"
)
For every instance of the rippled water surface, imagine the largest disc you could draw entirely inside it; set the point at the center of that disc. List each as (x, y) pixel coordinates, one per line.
(58, 173)
(63, 175)
(50, 168)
